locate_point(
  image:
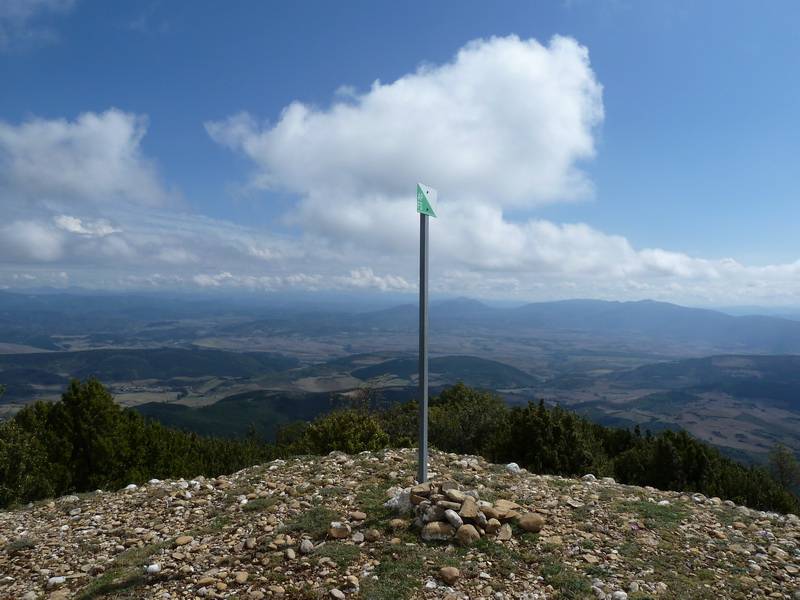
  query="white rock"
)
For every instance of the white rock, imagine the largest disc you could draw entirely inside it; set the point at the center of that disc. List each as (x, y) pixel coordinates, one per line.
(513, 468)
(589, 477)
(430, 584)
(154, 569)
(400, 502)
(131, 486)
(54, 581)
(619, 595)
(663, 502)
(453, 518)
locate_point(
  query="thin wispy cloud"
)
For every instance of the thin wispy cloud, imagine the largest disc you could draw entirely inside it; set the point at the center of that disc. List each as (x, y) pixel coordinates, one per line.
(25, 23)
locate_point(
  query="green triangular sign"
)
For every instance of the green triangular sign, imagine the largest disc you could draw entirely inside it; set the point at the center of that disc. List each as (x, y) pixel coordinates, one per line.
(426, 199)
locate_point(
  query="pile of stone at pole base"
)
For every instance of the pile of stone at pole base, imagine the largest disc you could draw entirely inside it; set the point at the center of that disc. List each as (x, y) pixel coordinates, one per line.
(443, 512)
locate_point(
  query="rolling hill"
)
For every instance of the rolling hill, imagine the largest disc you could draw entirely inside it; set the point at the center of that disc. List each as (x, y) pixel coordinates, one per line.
(124, 365)
(471, 370)
(773, 379)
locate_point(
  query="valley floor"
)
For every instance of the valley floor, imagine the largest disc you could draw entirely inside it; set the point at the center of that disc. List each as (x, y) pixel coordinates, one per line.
(266, 532)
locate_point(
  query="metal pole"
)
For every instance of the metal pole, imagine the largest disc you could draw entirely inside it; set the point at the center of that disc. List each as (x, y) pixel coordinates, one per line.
(422, 472)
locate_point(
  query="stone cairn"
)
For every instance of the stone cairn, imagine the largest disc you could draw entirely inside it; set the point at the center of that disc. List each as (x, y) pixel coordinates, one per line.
(444, 512)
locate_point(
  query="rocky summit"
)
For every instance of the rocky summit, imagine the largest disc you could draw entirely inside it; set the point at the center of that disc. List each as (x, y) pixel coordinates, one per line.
(359, 526)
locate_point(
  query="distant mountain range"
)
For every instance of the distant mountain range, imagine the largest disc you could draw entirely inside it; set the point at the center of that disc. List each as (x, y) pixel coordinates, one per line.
(640, 319)
(39, 320)
(732, 380)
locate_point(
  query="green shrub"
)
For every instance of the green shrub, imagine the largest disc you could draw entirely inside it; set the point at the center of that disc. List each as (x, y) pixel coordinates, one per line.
(348, 430)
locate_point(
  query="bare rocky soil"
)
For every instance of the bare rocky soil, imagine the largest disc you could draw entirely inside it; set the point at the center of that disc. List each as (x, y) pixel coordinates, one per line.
(318, 527)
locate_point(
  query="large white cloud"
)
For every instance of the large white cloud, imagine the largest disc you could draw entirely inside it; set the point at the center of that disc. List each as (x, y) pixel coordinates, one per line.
(501, 129)
(94, 159)
(506, 123)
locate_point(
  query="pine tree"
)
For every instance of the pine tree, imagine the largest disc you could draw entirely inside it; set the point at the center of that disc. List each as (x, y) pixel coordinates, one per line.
(784, 467)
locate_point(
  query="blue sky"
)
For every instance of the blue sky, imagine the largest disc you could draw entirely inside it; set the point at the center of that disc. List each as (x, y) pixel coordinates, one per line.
(666, 168)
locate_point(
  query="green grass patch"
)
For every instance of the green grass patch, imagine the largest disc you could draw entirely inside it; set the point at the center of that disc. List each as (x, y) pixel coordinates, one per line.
(685, 578)
(371, 500)
(442, 558)
(568, 583)
(630, 548)
(124, 576)
(232, 494)
(342, 554)
(260, 504)
(581, 514)
(728, 517)
(19, 545)
(334, 490)
(399, 575)
(505, 559)
(607, 495)
(488, 494)
(561, 484)
(463, 477)
(218, 523)
(654, 515)
(315, 522)
(597, 571)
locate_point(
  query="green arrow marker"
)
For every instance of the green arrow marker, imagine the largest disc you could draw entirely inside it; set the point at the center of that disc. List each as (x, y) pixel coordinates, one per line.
(426, 199)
